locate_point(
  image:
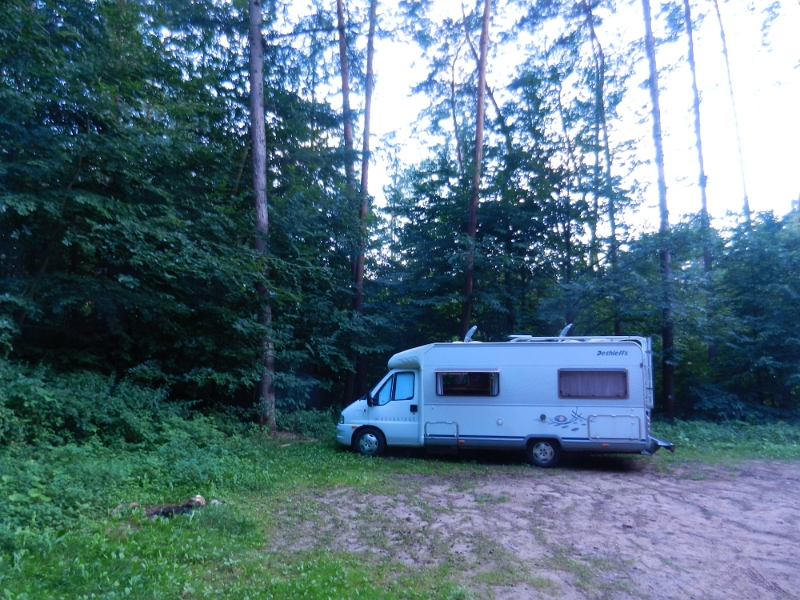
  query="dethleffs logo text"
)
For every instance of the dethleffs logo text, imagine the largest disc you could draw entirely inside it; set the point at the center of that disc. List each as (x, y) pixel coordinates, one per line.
(612, 353)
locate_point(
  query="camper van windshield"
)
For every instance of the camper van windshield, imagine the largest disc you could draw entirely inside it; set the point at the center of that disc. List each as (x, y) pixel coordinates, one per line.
(468, 384)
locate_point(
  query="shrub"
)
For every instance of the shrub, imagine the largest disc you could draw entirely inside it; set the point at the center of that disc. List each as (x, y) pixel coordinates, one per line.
(38, 405)
(317, 424)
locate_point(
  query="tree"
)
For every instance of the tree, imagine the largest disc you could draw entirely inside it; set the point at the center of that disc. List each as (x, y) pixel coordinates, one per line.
(701, 180)
(667, 333)
(266, 385)
(358, 298)
(472, 223)
(125, 231)
(758, 292)
(347, 115)
(118, 192)
(746, 200)
(602, 125)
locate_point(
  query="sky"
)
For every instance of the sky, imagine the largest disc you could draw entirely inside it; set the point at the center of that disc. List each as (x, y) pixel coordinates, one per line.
(766, 81)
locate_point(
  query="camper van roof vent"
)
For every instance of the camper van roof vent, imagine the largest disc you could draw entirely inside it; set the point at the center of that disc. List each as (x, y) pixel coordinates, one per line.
(470, 333)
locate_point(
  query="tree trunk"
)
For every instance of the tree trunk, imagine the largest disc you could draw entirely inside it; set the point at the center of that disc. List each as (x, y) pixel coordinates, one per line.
(599, 109)
(266, 385)
(347, 115)
(472, 224)
(600, 68)
(456, 132)
(349, 163)
(501, 121)
(687, 14)
(702, 179)
(746, 201)
(570, 313)
(572, 162)
(358, 298)
(667, 332)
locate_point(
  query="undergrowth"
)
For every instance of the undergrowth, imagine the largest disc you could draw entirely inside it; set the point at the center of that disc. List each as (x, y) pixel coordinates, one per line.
(732, 440)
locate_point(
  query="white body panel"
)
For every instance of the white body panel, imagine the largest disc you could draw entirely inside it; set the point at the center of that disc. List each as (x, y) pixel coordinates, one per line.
(527, 403)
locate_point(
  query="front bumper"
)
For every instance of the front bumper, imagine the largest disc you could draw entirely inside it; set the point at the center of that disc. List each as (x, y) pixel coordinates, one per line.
(344, 434)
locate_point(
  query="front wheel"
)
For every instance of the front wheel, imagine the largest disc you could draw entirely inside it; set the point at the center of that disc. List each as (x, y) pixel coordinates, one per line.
(369, 442)
(544, 453)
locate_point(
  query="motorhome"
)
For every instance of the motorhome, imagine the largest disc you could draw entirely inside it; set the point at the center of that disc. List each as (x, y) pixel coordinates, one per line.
(541, 395)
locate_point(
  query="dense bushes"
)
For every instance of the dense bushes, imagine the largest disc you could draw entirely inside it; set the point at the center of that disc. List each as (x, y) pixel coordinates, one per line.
(74, 445)
(38, 406)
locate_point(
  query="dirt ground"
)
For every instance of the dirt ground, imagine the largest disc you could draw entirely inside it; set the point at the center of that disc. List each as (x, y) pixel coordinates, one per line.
(597, 527)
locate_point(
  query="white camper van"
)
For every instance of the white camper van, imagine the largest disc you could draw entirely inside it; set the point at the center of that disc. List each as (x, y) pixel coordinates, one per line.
(541, 395)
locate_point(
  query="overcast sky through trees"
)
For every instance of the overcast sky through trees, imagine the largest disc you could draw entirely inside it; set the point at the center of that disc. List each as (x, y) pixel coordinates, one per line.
(765, 65)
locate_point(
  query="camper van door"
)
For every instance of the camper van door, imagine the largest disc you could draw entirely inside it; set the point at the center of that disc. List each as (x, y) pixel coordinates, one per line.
(395, 408)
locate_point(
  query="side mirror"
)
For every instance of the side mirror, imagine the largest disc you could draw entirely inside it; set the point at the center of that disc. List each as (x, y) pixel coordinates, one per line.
(370, 400)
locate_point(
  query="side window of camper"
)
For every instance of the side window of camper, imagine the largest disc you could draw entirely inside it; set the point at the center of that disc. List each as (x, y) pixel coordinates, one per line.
(473, 383)
(404, 386)
(606, 384)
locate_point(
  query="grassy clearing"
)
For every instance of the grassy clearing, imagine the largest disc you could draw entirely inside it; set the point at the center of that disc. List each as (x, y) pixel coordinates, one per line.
(713, 442)
(65, 543)
(59, 538)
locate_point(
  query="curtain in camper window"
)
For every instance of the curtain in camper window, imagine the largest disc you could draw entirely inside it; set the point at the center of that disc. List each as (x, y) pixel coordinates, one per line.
(592, 384)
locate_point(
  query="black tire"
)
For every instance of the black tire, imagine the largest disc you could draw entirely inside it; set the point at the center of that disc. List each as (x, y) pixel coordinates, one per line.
(369, 442)
(544, 453)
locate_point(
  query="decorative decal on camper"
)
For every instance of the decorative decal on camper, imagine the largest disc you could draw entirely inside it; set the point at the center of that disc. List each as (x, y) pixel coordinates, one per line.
(564, 422)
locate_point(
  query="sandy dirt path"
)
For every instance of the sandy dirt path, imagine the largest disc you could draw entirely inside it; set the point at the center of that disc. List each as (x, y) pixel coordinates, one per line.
(605, 527)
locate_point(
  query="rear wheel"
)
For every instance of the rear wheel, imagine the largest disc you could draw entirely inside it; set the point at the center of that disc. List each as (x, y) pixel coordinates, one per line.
(369, 442)
(544, 453)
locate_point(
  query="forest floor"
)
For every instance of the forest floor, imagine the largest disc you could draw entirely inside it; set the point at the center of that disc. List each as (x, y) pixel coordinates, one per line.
(597, 527)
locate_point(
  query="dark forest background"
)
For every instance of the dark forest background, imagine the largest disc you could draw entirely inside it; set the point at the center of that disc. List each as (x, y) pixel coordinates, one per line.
(126, 212)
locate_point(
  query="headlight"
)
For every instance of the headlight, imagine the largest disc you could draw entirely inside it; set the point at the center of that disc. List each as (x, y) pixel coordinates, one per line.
(341, 419)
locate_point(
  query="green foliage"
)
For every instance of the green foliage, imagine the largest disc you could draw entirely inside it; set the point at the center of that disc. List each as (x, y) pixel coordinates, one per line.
(759, 300)
(126, 233)
(317, 424)
(40, 407)
(117, 197)
(126, 222)
(734, 440)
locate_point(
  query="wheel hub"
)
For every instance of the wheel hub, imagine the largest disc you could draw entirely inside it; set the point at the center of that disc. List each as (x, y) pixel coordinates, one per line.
(368, 443)
(543, 451)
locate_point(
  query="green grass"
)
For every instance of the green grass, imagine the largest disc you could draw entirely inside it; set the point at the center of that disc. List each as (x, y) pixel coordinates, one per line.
(594, 575)
(714, 442)
(215, 553)
(59, 538)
